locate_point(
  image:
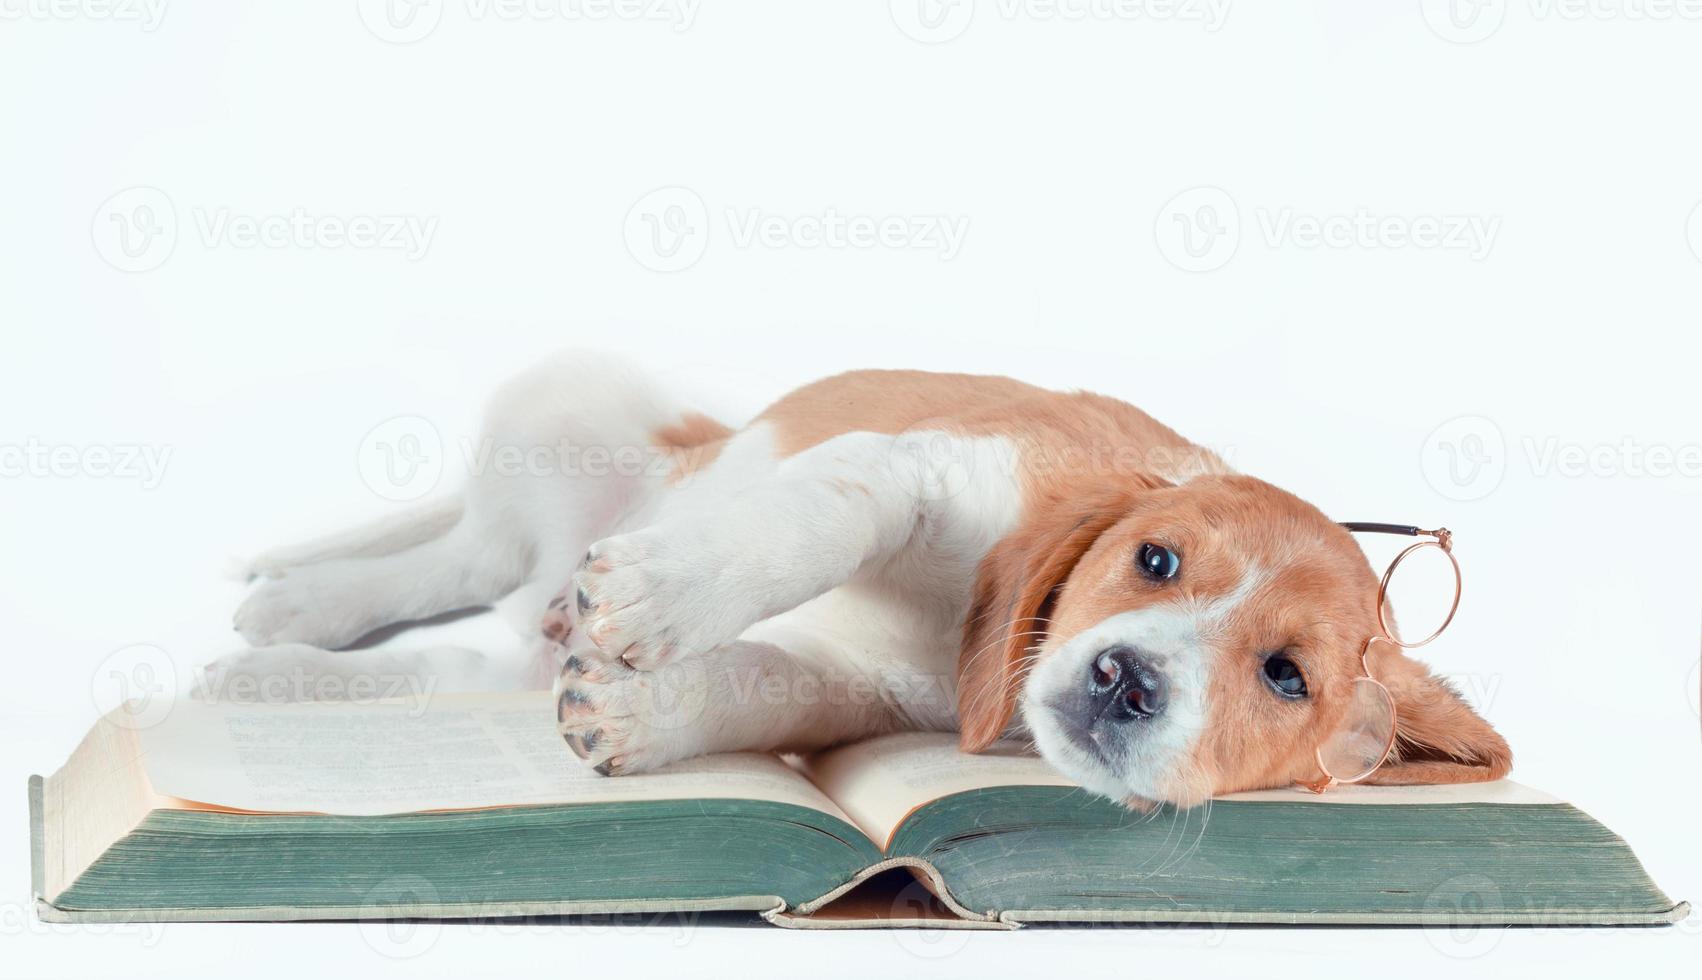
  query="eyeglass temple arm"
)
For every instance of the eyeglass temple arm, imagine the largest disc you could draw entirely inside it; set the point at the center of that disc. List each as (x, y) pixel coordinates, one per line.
(1443, 536)
(1371, 527)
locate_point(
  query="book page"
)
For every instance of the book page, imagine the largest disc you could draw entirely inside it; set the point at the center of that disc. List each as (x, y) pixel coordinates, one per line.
(879, 782)
(882, 781)
(458, 752)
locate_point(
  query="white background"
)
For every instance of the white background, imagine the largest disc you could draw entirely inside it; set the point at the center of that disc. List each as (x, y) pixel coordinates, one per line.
(529, 144)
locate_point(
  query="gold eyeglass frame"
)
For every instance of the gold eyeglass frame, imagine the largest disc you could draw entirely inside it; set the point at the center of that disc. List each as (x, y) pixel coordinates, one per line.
(1440, 538)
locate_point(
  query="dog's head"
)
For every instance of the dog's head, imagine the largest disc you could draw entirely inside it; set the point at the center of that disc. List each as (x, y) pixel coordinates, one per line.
(1167, 643)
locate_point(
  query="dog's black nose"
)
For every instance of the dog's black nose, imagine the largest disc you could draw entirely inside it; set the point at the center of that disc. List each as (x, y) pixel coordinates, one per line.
(1124, 686)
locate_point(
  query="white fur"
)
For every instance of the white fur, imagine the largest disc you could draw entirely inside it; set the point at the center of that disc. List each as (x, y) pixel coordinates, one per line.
(1178, 640)
(771, 602)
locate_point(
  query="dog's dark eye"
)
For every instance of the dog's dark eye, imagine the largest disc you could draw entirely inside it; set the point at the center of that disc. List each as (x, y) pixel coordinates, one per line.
(1284, 676)
(1158, 561)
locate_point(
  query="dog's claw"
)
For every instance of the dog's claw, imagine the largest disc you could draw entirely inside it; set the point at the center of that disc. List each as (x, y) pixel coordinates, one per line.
(604, 713)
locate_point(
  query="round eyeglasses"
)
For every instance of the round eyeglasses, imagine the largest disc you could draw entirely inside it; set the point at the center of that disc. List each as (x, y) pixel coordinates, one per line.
(1361, 744)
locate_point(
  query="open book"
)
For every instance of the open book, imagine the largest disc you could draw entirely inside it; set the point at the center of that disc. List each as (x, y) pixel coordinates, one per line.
(470, 806)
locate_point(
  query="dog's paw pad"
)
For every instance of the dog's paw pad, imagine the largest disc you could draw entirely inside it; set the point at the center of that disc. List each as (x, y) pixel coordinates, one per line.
(556, 626)
(649, 599)
(620, 720)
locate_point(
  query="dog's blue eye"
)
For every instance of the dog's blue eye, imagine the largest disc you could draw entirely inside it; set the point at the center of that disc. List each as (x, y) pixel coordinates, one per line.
(1158, 561)
(1284, 676)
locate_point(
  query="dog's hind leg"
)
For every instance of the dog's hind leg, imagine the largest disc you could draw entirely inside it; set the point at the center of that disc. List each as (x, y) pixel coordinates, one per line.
(569, 451)
(333, 603)
(426, 522)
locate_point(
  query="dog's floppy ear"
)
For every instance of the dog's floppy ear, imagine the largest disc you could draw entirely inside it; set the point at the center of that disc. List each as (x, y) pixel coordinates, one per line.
(1015, 588)
(1438, 739)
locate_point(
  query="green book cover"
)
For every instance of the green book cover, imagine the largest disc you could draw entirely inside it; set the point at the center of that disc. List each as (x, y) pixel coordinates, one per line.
(468, 807)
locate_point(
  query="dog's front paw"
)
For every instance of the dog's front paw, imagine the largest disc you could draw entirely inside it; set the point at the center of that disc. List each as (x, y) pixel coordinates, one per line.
(649, 597)
(621, 720)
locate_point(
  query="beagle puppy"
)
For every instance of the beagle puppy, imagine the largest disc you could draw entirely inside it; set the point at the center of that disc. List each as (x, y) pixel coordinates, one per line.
(881, 551)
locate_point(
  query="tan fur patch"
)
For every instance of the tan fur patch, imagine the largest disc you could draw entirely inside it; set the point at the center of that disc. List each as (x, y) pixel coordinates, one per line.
(1064, 435)
(692, 443)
